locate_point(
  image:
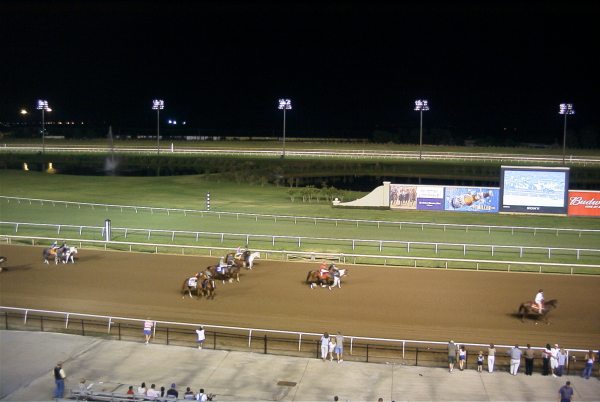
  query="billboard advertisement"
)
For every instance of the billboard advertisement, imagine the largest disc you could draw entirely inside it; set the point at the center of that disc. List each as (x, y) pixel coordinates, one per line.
(428, 198)
(584, 203)
(471, 199)
(534, 189)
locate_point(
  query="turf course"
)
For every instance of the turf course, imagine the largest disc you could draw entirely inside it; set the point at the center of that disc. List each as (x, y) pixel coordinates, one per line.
(189, 192)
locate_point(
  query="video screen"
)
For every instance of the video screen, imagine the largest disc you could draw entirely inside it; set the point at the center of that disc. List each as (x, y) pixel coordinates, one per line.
(534, 190)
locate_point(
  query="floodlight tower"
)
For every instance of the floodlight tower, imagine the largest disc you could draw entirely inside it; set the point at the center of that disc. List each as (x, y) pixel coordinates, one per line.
(421, 105)
(284, 104)
(566, 109)
(43, 106)
(158, 105)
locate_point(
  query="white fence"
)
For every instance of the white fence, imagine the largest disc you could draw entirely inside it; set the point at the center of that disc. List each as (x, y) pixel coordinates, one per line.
(320, 153)
(387, 260)
(249, 332)
(313, 220)
(298, 240)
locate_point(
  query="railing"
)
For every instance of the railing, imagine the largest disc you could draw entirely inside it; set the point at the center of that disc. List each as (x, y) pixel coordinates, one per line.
(246, 237)
(314, 220)
(321, 153)
(387, 260)
(267, 341)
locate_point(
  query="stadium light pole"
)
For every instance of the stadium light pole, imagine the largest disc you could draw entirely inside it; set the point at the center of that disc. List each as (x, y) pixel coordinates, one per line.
(421, 105)
(158, 105)
(566, 109)
(43, 106)
(284, 104)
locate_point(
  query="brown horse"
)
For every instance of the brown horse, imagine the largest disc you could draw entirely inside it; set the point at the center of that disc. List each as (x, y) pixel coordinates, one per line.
(50, 253)
(2, 259)
(190, 285)
(225, 273)
(530, 308)
(207, 288)
(333, 279)
(199, 285)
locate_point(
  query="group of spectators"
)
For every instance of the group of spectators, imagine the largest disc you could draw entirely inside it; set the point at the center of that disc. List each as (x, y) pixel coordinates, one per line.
(554, 359)
(331, 345)
(172, 393)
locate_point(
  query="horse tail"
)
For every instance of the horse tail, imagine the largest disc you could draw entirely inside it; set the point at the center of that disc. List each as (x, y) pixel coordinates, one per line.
(308, 276)
(522, 308)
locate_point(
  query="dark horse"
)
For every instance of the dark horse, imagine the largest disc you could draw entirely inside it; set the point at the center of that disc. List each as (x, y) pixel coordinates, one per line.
(530, 308)
(226, 273)
(200, 285)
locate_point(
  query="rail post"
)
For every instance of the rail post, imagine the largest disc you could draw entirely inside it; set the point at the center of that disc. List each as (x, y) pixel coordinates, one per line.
(265, 338)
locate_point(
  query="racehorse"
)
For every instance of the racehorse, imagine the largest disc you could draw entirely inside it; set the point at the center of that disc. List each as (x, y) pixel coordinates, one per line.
(248, 258)
(66, 254)
(50, 252)
(333, 279)
(527, 308)
(2, 259)
(207, 287)
(190, 285)
(225, 273)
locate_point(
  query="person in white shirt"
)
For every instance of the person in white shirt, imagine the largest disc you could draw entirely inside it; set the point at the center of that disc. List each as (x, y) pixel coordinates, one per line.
(201, 396)
(324, 346)
(153, 392)
(201, 337)
(142, 389)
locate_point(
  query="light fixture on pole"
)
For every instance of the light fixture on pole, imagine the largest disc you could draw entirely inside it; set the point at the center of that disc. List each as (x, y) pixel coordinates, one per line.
(566, 109)
(421, 105)
(43, 106)
(158, 105)
(284, 104)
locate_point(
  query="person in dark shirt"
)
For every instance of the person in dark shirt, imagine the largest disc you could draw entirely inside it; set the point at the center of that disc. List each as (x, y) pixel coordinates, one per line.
(566, 392)
(172, 392)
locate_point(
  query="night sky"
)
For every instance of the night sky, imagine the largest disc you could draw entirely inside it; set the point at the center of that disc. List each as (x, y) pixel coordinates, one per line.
(346, 65)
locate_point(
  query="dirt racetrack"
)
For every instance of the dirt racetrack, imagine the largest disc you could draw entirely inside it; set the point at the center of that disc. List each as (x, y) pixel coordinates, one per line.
(400, 303)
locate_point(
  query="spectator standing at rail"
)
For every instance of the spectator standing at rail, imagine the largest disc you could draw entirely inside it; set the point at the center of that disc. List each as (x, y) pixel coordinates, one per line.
(480, 361)
(189, 394)
(554, 359)
(462, 357)
(339, 347)
(59, 380)
(589, 364)
(491, 358)
(130, 390)
(451, 355)
(546, 353)
(142, 389)
(201, 337)
(562, 361)
(565, 392)
(529, 356)
(148, 329)
(515, 359)
(324, 346)
(331, 347)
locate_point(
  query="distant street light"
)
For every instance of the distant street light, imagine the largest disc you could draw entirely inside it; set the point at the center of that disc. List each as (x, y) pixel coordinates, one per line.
(421, 105)
(158, 105)
(566, 109)
(23, 112)
(284, 104)
(43, 106)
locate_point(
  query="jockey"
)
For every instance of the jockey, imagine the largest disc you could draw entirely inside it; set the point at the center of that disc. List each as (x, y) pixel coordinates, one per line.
(193, 281)
(539, 300)
(222, 267)
(323, 271)
(229, 259)
(238, 252)
(54, 245)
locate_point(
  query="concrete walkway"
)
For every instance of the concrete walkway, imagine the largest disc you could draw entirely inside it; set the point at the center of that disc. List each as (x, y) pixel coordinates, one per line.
(27, 358)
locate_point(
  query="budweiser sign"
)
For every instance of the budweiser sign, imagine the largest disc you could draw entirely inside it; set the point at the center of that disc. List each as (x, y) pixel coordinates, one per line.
(584, 203)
